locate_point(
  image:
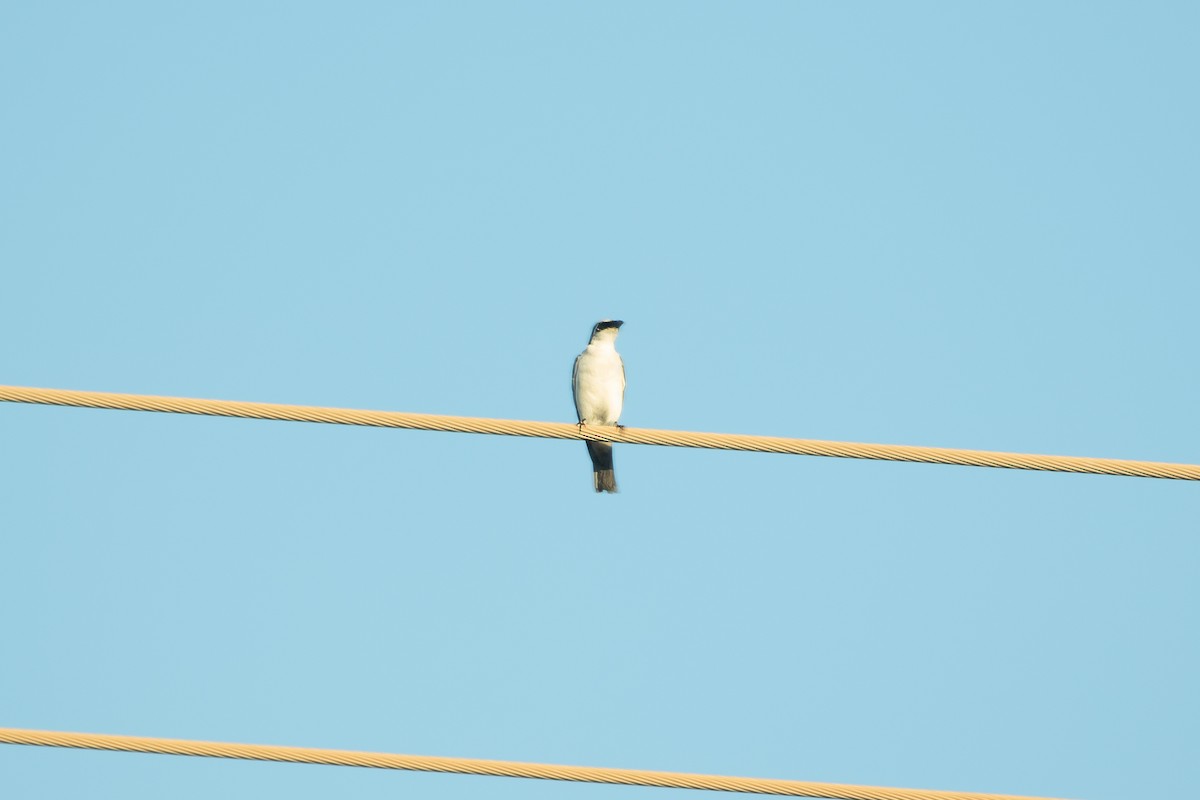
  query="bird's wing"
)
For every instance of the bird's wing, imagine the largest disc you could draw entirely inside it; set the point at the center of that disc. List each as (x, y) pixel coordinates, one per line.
(574, 387)
(622, 378)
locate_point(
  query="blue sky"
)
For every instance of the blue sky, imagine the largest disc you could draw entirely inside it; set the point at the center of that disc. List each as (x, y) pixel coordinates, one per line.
(922, 223)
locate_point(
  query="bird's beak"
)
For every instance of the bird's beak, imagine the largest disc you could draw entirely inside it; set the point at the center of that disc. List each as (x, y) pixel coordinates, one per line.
(616, 323)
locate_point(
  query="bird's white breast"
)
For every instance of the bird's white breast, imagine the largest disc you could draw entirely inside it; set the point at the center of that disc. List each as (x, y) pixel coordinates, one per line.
(599, 385)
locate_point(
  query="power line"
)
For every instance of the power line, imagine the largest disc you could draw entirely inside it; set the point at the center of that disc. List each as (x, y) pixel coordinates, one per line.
(560, 430)
(476, 766)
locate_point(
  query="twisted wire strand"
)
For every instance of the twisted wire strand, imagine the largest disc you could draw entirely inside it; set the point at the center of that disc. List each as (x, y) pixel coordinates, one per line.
(561, 430)
(476, 766)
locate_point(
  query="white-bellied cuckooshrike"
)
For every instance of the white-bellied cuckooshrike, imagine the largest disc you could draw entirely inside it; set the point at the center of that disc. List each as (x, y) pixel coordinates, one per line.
(598, 383)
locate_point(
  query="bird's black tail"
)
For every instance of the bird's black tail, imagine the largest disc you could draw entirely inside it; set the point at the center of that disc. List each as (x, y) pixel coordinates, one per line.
(603, 477)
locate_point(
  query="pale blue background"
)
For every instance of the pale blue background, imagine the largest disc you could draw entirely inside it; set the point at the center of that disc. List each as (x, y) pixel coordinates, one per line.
(965, 225)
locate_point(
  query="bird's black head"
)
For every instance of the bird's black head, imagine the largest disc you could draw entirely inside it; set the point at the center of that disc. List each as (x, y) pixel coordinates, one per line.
(605, 330)
(605, 324)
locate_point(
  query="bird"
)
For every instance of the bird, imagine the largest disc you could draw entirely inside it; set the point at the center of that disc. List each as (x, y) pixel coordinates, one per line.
(598, 383)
